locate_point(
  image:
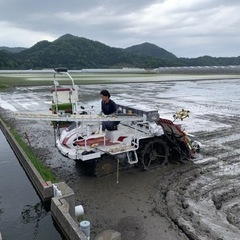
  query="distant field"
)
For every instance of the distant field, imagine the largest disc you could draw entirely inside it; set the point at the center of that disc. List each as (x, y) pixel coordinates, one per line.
(36, 79)
(29, 78)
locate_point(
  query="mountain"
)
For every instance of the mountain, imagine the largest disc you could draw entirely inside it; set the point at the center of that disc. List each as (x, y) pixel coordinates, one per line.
(149, 49)
(13, 49)
(76, 52)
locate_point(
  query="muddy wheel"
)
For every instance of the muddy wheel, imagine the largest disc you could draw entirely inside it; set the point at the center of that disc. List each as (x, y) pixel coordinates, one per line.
(107, 164)
(155, 152)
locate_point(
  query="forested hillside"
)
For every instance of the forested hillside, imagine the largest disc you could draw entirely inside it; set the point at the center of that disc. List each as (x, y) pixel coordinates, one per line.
(79, 53)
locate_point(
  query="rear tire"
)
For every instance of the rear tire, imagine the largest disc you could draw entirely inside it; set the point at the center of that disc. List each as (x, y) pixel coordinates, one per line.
(154, 152)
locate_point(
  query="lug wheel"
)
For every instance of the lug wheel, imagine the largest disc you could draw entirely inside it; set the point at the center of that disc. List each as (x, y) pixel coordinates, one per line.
(154, 152)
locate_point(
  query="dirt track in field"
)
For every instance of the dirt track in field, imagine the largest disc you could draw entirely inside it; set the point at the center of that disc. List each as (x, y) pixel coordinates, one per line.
(196, 200)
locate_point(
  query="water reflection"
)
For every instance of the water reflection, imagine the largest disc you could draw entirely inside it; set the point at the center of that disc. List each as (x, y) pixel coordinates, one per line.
(22, 214)
(34, 214)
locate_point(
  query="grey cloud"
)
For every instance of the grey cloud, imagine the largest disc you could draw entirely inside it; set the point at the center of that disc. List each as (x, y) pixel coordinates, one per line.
(186, 28)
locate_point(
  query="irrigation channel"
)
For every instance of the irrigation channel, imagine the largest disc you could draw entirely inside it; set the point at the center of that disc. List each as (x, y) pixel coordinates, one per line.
(22, 214)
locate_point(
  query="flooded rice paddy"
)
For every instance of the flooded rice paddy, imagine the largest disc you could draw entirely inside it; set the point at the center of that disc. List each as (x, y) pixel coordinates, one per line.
(196, 200)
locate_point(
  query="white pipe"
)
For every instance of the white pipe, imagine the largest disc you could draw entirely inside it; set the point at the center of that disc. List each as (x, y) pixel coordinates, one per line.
(79, 211)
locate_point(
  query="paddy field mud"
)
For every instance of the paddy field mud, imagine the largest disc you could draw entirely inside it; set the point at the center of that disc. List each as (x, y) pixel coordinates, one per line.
(196, 200)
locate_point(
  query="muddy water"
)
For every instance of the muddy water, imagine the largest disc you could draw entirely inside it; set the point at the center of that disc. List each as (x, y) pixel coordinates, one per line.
(22, 215)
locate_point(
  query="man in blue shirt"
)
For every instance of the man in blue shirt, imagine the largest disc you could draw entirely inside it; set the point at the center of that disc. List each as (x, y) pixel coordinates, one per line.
(108, 107)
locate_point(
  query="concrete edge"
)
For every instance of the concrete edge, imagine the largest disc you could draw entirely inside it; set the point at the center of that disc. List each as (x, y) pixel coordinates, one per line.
(44, 188)
(62, 208)
(69, 226)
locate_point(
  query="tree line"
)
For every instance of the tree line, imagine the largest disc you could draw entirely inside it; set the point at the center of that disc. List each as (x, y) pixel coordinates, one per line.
(79, 53)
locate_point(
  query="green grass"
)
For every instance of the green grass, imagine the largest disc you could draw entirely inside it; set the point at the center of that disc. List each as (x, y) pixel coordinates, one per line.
(9, 80)
(38, 78)
(44, 171)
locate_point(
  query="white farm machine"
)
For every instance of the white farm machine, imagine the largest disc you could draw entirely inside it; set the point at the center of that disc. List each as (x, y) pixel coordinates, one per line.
(142, 138)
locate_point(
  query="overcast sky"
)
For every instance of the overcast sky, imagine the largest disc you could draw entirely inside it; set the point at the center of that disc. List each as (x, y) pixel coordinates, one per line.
(186, 28)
